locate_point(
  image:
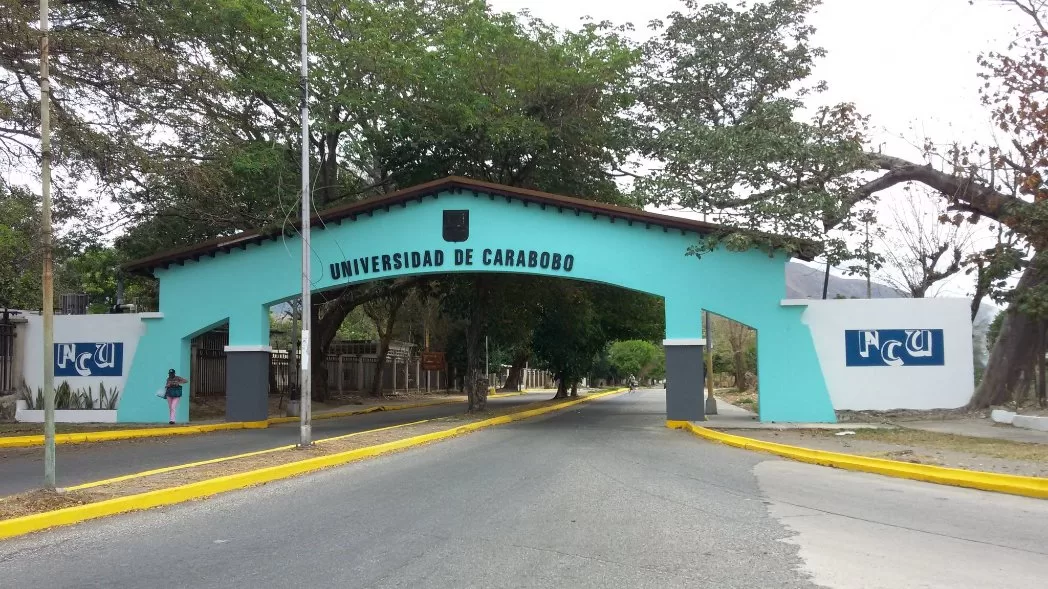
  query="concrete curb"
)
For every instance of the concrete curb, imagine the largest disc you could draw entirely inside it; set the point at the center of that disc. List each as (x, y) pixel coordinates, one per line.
(70, 515)
(1036, 487)
(1032, 422)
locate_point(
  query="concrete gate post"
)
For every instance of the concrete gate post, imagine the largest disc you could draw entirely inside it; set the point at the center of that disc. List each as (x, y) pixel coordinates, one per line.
(685, 379)
(247, 383)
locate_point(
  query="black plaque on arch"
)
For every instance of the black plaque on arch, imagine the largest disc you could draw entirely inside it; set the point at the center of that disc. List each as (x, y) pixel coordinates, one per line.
(456, 225)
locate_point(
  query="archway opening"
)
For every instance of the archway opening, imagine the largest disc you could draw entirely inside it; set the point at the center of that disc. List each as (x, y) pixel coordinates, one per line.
(732, 355)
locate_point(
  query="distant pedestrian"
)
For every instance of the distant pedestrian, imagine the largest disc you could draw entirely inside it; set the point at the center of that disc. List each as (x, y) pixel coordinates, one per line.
(173, 393)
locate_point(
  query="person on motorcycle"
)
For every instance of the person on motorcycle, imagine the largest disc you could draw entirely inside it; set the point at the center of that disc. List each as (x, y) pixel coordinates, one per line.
(632, 382)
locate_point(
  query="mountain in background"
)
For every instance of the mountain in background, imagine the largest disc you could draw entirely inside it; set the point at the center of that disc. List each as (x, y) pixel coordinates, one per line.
(805, 282)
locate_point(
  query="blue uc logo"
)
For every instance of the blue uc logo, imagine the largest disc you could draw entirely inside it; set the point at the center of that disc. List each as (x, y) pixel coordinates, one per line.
(894, 347)
(89, 359)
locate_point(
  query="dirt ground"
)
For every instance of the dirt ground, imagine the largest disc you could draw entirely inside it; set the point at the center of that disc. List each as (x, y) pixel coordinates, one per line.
(744, 399)
(903, 415)
(40, 501)
(920, 447)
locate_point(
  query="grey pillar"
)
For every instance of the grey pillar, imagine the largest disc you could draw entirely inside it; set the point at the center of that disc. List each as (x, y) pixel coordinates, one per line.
(247, 383)
(685, 379)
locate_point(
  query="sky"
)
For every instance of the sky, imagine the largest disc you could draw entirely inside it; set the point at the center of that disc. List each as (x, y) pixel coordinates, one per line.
(908, 64)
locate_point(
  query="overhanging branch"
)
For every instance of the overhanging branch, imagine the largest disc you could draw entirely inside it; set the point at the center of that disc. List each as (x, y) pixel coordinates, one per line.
(969, 193)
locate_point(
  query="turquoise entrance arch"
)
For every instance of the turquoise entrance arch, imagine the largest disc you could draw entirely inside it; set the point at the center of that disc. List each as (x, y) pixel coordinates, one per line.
(237, 279)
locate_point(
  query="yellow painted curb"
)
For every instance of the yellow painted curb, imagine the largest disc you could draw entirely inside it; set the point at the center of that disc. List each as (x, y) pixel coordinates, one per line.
(71, 515)
(973, 479)
(156, 432)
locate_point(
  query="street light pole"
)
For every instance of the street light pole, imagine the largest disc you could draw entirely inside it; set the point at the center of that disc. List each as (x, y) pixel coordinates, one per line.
(47, 304)
(305, 382)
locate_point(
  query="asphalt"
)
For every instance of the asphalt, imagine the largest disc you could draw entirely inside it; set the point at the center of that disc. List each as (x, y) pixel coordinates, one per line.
(21, 469)
(602, 495)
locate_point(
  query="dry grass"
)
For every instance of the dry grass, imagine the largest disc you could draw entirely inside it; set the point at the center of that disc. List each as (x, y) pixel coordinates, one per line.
(745, 399)
(920, 439)
(39, 501)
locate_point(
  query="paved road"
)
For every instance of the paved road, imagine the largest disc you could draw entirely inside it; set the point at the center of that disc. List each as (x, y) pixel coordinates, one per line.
(601, 496)
(22, 468)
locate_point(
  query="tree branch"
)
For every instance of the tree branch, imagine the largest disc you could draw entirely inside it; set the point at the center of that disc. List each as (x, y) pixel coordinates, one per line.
(966, 192)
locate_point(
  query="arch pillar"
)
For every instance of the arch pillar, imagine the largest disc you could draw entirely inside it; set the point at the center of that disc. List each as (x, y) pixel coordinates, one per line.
(685, 369)
(247, 364)
(162, 347)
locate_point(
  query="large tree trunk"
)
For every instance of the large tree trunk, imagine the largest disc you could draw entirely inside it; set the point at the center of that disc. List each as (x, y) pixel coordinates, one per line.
(475, 382)
(384, 325)
(380, 363)
(737, 333)
(1013, 353)
(562, 386)
(319, 342)
(516, 372)
(1042, 387)
(575, 389)
(329, 315)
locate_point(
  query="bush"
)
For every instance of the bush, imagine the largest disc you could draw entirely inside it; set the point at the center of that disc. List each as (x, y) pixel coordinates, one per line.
(67, 398)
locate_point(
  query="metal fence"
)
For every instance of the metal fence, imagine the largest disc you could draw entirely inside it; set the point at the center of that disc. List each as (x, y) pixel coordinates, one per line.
(7, 355)
(346, 373)
(208, 372)
(350, 373)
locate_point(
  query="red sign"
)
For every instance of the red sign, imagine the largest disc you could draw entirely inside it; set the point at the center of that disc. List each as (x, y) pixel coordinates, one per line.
(432, 360)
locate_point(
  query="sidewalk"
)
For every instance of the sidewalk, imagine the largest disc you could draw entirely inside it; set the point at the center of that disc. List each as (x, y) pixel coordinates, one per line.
(731, 417)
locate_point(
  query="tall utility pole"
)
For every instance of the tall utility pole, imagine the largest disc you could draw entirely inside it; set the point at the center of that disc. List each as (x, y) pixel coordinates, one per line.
(306, 380)
(47, 307)
(711, 401)
(710, 405)
(869, 287)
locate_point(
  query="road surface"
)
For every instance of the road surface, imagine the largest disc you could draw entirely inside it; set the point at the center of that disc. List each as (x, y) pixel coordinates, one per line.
(21, 469)
(602, 495)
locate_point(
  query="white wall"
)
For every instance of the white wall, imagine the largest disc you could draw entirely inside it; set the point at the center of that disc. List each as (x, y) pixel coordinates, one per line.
(893, 387)
(122, 328)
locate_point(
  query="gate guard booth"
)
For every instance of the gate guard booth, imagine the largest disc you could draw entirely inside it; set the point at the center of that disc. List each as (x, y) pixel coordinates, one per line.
(462, 225)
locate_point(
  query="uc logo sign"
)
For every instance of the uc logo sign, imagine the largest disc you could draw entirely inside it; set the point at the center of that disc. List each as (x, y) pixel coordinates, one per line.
(894, 347)
(89, 359)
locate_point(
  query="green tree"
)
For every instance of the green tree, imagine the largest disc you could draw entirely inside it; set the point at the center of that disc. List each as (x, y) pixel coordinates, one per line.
(722, 97)
(20, 263)
(638, 358)
(568, 336)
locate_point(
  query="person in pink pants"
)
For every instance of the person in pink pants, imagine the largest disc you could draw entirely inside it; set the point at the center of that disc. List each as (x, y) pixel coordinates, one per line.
(173, 393)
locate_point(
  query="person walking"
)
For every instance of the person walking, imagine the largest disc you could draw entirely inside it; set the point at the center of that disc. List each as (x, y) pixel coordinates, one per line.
(173, 393)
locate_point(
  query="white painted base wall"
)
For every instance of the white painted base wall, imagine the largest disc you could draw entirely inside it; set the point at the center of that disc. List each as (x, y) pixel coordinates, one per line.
(125, 328)
(883, 388)
(24, 415)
